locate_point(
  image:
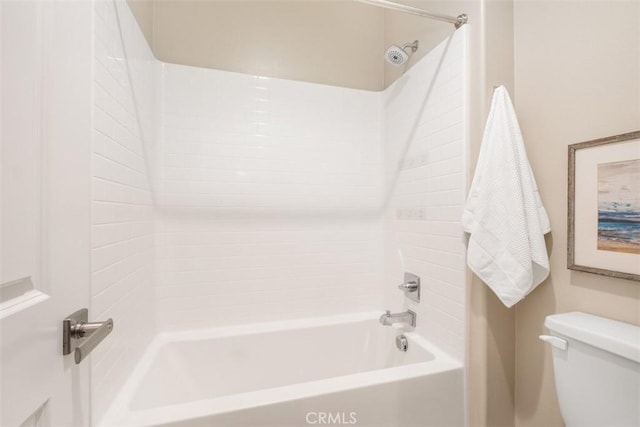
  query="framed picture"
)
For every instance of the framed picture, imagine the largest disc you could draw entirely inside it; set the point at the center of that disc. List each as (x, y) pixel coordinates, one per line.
(604, 206)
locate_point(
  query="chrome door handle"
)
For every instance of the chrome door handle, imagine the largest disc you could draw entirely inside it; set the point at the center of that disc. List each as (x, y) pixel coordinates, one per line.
(81, 336)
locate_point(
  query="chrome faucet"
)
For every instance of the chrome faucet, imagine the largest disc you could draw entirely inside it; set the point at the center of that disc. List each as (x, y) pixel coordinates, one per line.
(408, 317)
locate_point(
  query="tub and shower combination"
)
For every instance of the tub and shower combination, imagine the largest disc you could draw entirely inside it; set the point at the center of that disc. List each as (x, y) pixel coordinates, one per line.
(333, 150)
(337, 370)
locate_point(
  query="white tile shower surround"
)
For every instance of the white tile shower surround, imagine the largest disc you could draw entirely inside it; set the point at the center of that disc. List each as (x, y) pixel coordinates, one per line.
(235, 142)
(122, 208)
(231, 271)
(232, 144)
(271, 193)
(269, 196)
(424, 133)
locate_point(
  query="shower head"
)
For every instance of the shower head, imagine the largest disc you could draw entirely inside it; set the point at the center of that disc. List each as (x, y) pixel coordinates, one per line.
(396, 55)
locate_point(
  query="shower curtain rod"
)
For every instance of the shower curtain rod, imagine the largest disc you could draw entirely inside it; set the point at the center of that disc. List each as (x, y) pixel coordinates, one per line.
(458, 21)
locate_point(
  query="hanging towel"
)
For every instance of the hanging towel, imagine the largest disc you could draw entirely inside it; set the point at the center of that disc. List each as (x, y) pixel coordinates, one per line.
(504, 214)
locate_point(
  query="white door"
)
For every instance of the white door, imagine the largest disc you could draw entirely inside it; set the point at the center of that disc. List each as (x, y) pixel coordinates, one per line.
(45, 88)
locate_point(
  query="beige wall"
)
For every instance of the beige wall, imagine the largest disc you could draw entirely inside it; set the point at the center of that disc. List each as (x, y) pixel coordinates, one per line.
(491, 328)
(143, 12)
(330, 42)
(577, 73)
(401, 28)
(289, 38)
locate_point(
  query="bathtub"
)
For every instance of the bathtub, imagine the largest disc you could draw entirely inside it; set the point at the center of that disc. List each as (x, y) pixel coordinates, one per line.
(338, 370)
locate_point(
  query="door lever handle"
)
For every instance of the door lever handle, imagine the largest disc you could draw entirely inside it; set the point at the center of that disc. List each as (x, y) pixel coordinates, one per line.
(95, 332)
(81, 336)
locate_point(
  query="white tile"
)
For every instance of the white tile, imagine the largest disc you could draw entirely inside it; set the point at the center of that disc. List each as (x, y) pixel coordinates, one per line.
(122, 215)
(429, 194)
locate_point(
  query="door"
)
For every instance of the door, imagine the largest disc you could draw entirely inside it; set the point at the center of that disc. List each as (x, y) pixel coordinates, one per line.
(45, 89)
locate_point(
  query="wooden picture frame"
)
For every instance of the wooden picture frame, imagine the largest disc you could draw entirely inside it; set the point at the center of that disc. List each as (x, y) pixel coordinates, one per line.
(604, 238)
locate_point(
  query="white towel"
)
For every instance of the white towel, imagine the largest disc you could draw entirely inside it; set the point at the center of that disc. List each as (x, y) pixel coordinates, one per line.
(504, 213)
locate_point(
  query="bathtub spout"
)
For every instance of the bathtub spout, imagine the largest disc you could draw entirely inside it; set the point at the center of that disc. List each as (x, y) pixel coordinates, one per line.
(408, 317)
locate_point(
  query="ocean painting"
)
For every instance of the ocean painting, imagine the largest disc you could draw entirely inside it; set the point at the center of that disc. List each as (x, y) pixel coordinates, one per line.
(619, 206)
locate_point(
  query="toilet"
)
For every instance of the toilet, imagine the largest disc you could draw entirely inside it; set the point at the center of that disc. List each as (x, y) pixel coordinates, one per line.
(596, 362)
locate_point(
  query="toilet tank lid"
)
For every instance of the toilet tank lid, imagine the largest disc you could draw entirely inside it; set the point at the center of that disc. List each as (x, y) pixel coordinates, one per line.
(615, 337)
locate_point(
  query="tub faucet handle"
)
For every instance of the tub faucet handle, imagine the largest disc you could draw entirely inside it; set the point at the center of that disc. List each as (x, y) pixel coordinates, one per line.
(411, 286)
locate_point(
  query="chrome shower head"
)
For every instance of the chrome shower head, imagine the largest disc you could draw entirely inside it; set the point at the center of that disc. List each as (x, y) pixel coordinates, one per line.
(396, 55)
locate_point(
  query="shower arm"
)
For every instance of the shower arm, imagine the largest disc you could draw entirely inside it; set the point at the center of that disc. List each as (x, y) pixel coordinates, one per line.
(457, 21)
(413, 46)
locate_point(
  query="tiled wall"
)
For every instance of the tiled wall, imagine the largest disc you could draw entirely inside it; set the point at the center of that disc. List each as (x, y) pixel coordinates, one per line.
(219, 271)
(232, 141)
(122, 210)
(270, 194)
(425, 144)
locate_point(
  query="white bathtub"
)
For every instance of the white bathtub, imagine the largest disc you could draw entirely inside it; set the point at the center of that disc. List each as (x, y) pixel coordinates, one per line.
(339, 370)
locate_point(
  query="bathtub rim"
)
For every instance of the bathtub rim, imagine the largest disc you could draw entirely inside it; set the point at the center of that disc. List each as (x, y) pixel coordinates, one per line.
(119, 414)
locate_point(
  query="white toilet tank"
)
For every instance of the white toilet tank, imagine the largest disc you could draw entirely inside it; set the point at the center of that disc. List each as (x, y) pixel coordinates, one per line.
(596, 362)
